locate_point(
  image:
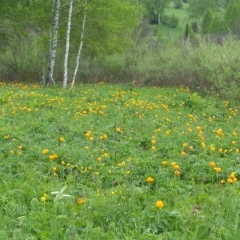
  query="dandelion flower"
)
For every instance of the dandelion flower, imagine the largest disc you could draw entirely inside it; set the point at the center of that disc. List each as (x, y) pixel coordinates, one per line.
(159, 204)
(150, 179)
(177, 173)
(218, 169)
(183, 153)
(229, 180)
(212, 164)
(61, 139)
(45, 151)
(118, 130)
(232, 175)
(164, 163)
(80, 201)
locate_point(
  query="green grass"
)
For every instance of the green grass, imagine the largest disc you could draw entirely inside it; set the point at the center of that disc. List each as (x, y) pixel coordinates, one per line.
(99, 144)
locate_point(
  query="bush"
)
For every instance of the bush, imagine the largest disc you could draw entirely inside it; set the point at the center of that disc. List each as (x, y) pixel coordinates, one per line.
(170, 21)
(178, 4)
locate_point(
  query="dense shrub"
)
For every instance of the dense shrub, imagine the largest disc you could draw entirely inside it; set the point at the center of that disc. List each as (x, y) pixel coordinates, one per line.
(170, 21)
(178, 4)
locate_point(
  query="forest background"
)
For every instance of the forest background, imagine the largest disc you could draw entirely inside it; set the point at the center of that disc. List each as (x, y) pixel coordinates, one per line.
(144, 42)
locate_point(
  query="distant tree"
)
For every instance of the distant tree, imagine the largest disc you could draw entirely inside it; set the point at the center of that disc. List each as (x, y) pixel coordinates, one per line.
(232, 16)
(155, 9)
(207, 20)
(198, 7)
(217, 25)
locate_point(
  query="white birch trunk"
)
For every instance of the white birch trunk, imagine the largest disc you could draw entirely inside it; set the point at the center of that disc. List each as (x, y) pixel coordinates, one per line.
(159, 18)
(65, 78)
(81, 45)
(54, 39)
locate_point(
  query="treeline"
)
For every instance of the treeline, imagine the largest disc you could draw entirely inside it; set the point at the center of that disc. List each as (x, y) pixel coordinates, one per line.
(117, 43)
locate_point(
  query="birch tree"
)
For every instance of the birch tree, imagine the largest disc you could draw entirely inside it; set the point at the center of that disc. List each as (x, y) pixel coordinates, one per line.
(65, 79)
(81, 44)
(53, 41)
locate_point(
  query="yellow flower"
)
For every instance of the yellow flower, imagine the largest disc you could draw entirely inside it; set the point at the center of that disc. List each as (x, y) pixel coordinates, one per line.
(99, 159)
(235, 179)
(219, 132)
(153, 141)
(173, 164)
(118, 130)
(20, 147)
(61, 139)
(44, 197)
(80, 201)
(218, 169)
(229, 180)
(212, 148)
(183, 153)
(88, 133)
(212, 164)
(222, 181)
(159, 204)
(164, 163)
(7, 136)
(185, 145)
(54, 169)
(168, 132)
(150, 179)
(105, 136)
(53, 157)
(154, 148)
(177, 173)
(220, 150)
(198, 128)
(232, 175)
(45, 151)
(176, 167)
(190, 148)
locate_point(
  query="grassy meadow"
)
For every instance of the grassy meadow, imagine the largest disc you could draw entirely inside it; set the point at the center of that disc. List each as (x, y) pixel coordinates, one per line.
(117, 162)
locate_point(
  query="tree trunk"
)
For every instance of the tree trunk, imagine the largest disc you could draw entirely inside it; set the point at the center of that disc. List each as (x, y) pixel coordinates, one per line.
(53, 42)
(81, 44)
(65, 78)
(159, 18)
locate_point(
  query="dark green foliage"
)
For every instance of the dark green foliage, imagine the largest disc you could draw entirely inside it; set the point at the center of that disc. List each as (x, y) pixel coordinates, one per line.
(170, 21)
(207, 20)
(178, 4)
(232, 16)
(195, 26)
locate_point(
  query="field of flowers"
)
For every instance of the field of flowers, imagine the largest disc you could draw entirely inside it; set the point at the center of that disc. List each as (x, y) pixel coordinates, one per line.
(117, 162)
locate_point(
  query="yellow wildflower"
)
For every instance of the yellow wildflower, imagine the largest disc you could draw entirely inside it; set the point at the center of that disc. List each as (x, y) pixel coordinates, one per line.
(80, 201)
(150, 179)
(218, 169)
(45, 151)
(159, 204)
(212, 164)
(229, 180)
(164, 163)
(118, 130)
